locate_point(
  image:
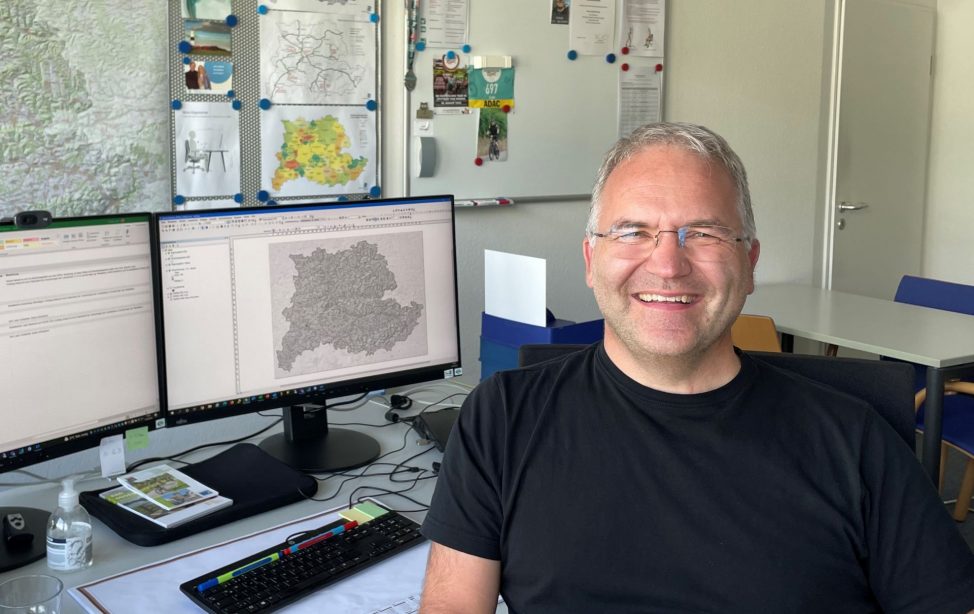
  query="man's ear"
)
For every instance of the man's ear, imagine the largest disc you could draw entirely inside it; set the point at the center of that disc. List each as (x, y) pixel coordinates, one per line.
(752, 256)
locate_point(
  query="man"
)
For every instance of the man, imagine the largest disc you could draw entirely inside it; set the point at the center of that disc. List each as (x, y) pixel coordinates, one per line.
(559, 12)
(663, 471)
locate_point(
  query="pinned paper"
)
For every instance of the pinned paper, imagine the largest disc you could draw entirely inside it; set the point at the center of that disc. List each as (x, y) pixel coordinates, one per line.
(514, 287)
(111, 452)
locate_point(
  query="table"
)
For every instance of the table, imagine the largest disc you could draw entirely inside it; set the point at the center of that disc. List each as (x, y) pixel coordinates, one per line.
(209, 154)
(114, 555)
(942, 341)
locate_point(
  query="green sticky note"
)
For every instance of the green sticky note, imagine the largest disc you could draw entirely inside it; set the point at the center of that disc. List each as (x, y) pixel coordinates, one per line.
(136, 439)
(371, 509)
(356, 515)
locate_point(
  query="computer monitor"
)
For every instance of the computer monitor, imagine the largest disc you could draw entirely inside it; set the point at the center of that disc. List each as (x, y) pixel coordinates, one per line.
(77, 344)
(290, 305)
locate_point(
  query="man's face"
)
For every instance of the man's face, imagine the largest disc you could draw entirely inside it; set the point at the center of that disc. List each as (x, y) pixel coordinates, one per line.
(664, 303)
(560, 5)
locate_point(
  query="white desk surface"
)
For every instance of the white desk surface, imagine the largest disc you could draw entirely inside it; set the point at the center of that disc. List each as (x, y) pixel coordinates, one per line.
(930, 337)
(113, 555)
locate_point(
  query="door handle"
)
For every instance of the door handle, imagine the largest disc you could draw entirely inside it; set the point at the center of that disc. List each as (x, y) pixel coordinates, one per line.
(847, 206)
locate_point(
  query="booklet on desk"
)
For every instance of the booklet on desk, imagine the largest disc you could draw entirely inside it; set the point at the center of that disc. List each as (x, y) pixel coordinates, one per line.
(141, 506)
(166, 487)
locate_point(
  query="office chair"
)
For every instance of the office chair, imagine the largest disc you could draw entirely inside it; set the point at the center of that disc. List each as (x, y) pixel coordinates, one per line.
(887, 386)
(958, 418)
(753, 332)
(194, 156)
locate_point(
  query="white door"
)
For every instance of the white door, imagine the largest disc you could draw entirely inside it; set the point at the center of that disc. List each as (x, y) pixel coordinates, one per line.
(881, 154)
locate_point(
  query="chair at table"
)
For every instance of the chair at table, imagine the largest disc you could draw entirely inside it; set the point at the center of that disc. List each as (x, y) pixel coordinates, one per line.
(958, 417)
(753, 332)
(887, 386)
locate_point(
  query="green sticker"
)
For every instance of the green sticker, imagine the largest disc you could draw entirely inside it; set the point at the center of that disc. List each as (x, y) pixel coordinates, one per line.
(136, 439)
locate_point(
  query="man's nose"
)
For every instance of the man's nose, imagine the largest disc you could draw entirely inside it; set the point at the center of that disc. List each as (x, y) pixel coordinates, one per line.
(668, 259)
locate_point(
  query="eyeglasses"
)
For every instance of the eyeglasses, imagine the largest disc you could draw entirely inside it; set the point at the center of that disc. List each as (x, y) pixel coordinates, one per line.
(700, 242)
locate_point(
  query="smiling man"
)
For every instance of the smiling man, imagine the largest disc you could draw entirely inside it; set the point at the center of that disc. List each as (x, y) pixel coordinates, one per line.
(662, 470)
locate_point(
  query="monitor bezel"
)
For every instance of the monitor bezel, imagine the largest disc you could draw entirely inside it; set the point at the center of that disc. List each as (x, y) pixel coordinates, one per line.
(343, 388)
(56, 448)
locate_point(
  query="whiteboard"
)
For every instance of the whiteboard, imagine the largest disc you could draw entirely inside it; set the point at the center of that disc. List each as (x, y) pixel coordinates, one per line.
(564, 120)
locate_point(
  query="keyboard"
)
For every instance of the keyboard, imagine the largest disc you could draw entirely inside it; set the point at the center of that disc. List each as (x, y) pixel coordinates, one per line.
(269, 580)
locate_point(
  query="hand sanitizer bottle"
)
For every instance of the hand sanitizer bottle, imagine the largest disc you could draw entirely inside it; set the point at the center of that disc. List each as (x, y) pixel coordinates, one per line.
(69, 532)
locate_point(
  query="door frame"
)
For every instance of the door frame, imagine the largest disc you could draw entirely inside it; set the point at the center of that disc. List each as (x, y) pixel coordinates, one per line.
(832, 142)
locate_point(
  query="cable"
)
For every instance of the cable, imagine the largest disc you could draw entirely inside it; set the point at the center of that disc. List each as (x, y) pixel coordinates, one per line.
(175, 457)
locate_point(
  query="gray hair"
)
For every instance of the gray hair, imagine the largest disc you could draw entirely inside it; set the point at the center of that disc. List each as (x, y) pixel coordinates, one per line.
(690, 137)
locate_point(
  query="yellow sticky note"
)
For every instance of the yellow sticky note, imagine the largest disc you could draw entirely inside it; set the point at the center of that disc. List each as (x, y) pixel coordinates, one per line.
(136, 439)
(354, 514)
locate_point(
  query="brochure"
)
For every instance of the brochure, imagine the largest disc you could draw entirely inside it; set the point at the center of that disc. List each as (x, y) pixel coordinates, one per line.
(141, 506)
(166, 487)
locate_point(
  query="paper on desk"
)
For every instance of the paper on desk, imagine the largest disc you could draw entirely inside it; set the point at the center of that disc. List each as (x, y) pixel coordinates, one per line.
(155, 587)
(514, 287)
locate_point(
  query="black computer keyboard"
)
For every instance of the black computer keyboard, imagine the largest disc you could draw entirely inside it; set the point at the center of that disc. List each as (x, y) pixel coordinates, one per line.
(273, 578)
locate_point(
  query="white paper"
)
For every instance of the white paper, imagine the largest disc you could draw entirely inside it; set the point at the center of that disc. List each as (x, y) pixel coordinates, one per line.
(445, 23)
(639, 97)
(643, 23)
(111, 451)
(317, 58)
(155, 587)
(207, 149)
(591, 26)
(514, 287)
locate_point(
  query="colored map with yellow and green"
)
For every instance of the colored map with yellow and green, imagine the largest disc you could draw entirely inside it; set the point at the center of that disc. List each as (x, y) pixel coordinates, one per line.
(313, 150)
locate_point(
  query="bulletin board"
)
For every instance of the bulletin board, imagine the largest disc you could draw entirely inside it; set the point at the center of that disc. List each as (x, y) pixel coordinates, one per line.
(288, 109)
(563, 121)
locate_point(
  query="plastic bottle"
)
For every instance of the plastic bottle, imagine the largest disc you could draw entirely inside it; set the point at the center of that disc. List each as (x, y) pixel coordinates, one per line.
(69, 532)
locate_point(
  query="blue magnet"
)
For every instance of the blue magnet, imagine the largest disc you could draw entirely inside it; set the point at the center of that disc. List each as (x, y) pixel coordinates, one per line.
(231, 20)
(466, 48)
(186, 60)
(185, 47)
(371, 105)
(421, 46)
(450, 54)
(262, 9)
(236, 104)
(271, 203)
(611, 58)
(231, 94)
(572, 54)
(263, 195)
(238, 198)
(264, 103)
(374, 18)
(342, 199)
(176, 105)
(375, 191)
(178, 199)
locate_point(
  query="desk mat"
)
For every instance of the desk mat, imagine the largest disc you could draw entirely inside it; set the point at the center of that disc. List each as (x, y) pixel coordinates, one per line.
(256, 482)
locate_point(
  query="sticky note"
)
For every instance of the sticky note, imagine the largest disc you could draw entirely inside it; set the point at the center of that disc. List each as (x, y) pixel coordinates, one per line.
(371, 509)
(354, 514)
(136, 439)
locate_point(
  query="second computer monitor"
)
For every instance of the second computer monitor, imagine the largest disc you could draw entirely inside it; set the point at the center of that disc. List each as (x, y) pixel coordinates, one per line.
(284, 306)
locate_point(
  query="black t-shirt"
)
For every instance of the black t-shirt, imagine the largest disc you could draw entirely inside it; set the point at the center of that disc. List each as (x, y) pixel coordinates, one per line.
(772, 493)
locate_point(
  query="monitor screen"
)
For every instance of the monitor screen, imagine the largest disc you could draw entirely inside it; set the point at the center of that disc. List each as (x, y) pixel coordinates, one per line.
(77, 335)
(289, 305)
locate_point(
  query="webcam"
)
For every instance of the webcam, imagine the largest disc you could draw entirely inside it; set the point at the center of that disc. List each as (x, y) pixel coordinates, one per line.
(32, 219)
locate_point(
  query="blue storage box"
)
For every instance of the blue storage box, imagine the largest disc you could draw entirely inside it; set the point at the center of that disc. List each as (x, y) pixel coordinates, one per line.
(500, 339)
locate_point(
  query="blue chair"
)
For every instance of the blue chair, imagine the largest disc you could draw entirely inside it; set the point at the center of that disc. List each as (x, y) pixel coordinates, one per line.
(958, 420)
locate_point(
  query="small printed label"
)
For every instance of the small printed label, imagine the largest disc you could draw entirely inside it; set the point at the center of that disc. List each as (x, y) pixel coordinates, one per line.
(448, 373)
(458, 371)
(68, 554)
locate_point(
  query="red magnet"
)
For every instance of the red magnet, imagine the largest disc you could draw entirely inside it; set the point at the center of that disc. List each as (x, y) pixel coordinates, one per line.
(506, 108)
(625, 51)
(478, 161)
(659, 68)
(624, 66)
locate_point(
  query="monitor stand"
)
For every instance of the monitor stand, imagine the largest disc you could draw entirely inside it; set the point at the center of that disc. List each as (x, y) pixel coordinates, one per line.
(12, 554)
(308, 444)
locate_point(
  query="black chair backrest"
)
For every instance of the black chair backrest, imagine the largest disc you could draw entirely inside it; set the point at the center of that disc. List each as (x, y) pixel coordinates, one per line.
(887, 386)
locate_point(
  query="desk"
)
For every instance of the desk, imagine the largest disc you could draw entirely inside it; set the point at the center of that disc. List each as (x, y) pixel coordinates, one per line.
(942, 341)
(209, 154)
(114, 555)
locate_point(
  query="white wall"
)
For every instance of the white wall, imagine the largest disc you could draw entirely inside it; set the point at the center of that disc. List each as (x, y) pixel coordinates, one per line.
(948, 244)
